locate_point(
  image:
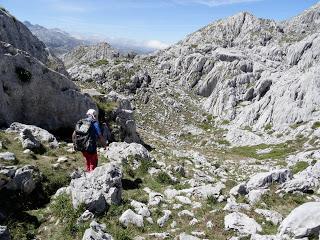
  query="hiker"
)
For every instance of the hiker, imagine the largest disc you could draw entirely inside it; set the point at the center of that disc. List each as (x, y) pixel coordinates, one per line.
(85, 139)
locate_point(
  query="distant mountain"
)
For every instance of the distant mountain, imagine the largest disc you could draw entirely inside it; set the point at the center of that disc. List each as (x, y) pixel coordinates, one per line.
(61, 42)
(57, 40)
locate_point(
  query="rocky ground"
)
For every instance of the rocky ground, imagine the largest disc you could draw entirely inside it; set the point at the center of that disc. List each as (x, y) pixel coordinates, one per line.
(211, 139)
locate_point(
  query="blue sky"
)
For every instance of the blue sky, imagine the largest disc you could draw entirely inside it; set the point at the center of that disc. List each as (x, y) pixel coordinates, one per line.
(150, 21)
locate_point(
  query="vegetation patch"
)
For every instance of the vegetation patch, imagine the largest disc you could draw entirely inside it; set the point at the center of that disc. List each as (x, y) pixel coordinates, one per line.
(316, 125)
(23, 74)
(299, 167)
(99, 63)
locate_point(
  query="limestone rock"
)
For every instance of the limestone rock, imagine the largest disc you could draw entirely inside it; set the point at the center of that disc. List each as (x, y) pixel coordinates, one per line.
(184, 236)
(7, 156)
(41, 135)
(28, 140)
(241, 223)
(23, 179)
(140, 208)
(129, 217)
(122, 152)
(44, 103)
(96, 232)
(303, 221)
(272, 216)
(166, 216)
(97, 189)
(264, 180)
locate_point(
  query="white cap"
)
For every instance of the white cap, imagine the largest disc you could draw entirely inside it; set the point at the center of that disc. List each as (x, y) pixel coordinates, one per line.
(92, 113)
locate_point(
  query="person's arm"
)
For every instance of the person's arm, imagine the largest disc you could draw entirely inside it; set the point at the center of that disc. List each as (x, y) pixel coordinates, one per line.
(99, 133)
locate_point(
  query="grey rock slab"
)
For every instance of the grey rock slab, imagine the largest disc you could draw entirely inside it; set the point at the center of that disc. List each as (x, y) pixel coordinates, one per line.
(41, 135)
(241, 223)
(24, 179)
(166, 216)
(50, 111)
(140, 208)
(122, 152)
(272, 216)
(97, 189)
(265, 179)
(129, 217)
(254, 196)
(184, 236)
(28, 140)
(7, 156)
(303, 221)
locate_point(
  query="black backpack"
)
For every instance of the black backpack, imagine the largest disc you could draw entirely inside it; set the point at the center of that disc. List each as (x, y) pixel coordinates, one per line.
(83, 137)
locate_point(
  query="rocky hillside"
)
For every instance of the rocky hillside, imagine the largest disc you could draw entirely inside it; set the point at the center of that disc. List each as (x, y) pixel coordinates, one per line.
(252, 72)
(32, 92)
(58, 41)
(216, 137)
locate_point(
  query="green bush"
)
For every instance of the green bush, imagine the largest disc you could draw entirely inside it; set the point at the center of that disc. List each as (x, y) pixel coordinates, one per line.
(23, 74)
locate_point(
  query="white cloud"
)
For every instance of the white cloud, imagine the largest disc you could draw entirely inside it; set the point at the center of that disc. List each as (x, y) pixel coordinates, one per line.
(213, 3)
(156, 44)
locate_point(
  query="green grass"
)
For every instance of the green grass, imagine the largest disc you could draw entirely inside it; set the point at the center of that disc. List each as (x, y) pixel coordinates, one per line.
(316, 125)
(268, 127)
(164, 178)
(299, 166)
(278, 151)
(225, 122)
(99, 63)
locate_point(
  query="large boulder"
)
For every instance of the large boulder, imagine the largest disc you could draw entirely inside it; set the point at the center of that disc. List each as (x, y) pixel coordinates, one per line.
(40, 135)
(241, 223)
(265, 179)
(122, 152)
(98, 189)
(24, 179)
(303, 221)
(35, 94)
(130, 217)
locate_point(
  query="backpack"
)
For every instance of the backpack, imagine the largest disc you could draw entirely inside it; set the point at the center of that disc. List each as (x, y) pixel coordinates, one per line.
(106, 133)
(83, 137)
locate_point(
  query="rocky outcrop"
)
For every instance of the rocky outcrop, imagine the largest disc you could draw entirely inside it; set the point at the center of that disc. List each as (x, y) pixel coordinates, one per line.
(241, 223)
(40, 135)
(253, 72)
(304, 221)
(98, 189)
(96, 232)
(34, 94)
(129, 217)
(124, 128)
(123, 152)
(90, 54)
(16, 33)
(24, 179)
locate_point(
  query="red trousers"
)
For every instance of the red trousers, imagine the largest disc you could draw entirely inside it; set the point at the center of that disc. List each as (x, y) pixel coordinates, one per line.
(91, 160)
